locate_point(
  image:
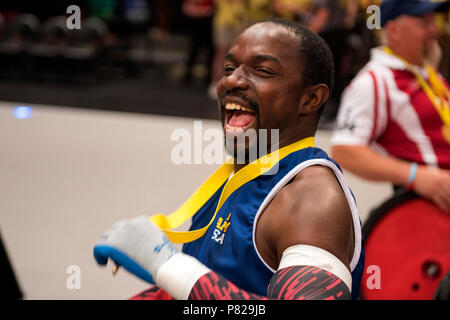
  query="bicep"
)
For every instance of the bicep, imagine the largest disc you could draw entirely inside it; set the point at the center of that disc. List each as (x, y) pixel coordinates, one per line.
(319, 215)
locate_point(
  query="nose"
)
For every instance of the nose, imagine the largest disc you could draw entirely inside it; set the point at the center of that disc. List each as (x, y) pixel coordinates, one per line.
(237, 79)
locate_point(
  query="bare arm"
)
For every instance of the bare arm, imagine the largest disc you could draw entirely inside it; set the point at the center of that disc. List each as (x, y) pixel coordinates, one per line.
(368, 164)
(311, 210)
(431, 183)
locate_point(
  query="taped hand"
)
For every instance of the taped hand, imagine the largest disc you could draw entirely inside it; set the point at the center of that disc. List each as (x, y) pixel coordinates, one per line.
(138, 245)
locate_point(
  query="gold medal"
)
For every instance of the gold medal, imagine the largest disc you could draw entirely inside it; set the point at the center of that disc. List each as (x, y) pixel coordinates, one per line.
(446, 132)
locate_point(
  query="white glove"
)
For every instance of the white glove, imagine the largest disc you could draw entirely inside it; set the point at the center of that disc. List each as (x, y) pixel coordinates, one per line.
(138, 245)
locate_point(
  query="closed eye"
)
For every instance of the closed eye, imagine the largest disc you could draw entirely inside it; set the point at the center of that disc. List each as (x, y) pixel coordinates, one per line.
(264, 72)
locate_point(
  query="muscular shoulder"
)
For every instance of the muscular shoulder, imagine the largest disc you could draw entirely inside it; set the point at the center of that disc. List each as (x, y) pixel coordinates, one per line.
(312, 210)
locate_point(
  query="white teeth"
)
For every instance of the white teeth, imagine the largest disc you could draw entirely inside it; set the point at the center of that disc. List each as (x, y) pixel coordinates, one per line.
(230, 106)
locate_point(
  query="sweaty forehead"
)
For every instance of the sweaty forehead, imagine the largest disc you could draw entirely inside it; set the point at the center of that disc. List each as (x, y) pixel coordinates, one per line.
(267, 38)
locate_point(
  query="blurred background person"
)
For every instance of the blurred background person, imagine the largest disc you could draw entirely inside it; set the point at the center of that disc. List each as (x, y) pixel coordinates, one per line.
(199, 14)
(386, 105)
(394, 126)
(333, 21)
(162, 19)
(300, 11)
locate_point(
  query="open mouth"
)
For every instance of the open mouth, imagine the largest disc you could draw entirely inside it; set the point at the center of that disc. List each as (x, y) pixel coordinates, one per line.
(238, 118)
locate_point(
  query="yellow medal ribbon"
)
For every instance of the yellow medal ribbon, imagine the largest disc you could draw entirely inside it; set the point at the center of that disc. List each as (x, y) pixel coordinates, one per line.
(213, 183)
(438, 93)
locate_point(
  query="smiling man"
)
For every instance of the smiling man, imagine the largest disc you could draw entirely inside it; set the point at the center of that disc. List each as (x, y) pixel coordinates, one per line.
(257, 232)
(263, 73)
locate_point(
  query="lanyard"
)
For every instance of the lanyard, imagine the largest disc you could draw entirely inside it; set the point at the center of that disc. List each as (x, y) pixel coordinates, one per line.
(437, 93)
(213, 183)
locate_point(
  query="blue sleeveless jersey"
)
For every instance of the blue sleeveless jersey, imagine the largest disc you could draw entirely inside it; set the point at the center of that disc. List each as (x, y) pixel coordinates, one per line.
(228, 246)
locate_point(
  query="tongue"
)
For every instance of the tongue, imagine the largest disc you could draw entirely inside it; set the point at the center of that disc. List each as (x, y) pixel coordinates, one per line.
(241, 118)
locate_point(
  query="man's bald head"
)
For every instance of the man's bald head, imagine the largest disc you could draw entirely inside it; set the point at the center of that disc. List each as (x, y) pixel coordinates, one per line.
(315, 55)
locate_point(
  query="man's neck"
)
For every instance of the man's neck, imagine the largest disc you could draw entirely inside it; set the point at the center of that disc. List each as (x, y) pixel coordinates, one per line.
(284, 143)
(411, 58)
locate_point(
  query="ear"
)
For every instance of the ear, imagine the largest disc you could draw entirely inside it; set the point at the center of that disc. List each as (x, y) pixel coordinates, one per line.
(313, 98)
(392, 30)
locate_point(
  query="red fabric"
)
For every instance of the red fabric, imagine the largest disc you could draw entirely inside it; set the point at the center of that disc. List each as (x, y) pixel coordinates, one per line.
(396, 141)
(153, 293)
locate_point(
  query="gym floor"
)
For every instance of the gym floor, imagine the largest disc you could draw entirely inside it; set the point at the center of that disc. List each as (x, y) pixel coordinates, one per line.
(67, 174)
